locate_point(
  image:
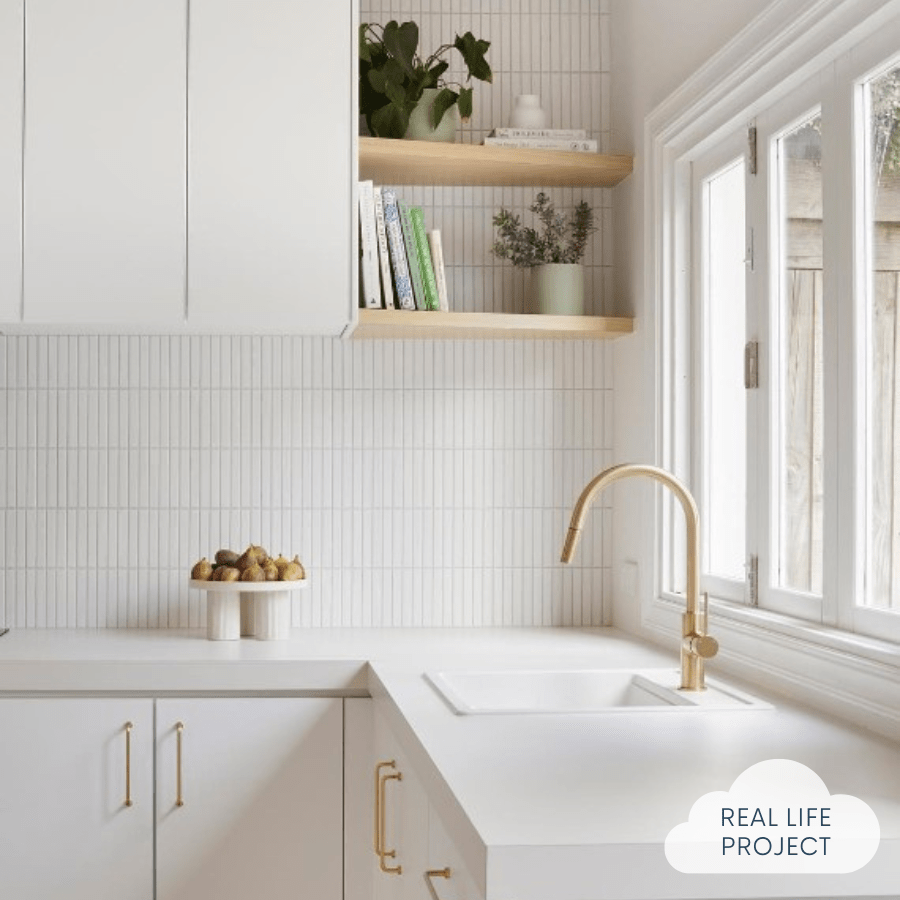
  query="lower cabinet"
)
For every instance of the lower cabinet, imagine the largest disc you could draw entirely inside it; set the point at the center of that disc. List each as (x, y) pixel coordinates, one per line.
(415, 858)
(247, 798)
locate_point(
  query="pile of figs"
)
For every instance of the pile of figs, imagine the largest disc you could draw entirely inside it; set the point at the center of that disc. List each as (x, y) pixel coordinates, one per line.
(254, 564)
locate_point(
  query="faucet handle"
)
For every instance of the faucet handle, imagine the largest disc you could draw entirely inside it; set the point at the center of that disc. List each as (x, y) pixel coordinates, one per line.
(702, 645)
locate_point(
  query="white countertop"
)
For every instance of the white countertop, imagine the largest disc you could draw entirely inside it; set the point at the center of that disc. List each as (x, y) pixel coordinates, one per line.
(549, 807)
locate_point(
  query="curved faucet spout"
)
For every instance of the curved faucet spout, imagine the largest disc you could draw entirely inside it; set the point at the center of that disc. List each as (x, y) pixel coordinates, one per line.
(696, 644)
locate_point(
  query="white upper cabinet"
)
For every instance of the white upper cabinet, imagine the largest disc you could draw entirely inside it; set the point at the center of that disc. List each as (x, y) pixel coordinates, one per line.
(270, 166)
(12, 28)
(105, 136)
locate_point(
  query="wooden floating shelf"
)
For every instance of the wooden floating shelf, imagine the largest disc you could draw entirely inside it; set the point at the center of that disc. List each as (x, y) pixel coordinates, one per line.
(426, 162)
(398, 324)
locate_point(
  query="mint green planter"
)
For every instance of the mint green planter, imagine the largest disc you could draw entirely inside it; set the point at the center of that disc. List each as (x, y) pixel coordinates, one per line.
(558, 289)
(419, 128)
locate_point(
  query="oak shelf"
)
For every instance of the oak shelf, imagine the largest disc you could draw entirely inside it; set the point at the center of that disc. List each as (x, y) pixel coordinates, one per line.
(399, 324)
(426, 162)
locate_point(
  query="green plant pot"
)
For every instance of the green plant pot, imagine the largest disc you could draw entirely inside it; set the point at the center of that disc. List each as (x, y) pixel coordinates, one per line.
(558, 289)
(419, 128)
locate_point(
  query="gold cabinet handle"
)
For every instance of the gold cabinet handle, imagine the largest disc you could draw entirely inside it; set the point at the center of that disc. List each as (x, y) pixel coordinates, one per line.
(431, 874)
(128, 727)
(179, 795)
(380, 782)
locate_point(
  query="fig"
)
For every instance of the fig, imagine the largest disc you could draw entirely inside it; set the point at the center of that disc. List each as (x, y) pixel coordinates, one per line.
(271, 570)
(253, 573)
(228, 573)
(226, 557)
(293, 572)
(202, 570)
(281, 563)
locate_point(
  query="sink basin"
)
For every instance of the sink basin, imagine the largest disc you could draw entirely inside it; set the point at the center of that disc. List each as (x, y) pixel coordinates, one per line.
(581, 691)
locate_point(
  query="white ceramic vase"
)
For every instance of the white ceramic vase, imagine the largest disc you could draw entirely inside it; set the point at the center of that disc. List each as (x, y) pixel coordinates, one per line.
(527, 112)
(558, 289)
(419, 128)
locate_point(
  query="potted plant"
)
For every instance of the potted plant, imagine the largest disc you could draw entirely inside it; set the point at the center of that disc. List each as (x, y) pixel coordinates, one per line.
(554, 251)
(402, 95)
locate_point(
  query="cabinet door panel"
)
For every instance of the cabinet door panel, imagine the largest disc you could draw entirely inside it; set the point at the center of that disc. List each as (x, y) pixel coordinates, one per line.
(270, 167)
(12, 24)
(105, 162)
(66, 832)
(262, 784)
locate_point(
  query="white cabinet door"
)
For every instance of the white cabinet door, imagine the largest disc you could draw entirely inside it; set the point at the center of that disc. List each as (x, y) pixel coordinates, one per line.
(405, 817)
(261, 785)
(12, 29)
(67, 832)
(271, 166)
(105, 134)
(455, 881)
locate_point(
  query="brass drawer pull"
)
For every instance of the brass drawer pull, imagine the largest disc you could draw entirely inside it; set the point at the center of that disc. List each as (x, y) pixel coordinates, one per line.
(128, 727)
(179, 794)
(431, 874)
(380, 782)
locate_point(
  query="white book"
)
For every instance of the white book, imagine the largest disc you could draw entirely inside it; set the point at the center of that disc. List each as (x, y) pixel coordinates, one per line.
(568, 134)
(368, 246)
(575, 146)
(387, 284)
(437, 261)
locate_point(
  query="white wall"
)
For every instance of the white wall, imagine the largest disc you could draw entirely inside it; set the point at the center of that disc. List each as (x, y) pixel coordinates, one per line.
(656, 45)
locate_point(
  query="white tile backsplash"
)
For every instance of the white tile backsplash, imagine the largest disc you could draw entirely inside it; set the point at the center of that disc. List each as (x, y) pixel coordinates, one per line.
(422, 483)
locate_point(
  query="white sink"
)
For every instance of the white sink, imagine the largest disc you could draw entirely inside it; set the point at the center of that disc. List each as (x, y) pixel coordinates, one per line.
(581, 691)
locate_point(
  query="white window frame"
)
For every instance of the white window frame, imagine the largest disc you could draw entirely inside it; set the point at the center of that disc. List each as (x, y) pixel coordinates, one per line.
(775, 56)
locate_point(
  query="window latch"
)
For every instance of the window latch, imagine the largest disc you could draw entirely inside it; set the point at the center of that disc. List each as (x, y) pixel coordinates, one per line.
(751, 365)
(751, 586)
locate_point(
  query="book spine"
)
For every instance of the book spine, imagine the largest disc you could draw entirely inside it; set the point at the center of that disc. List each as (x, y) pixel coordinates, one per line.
(432, 302)
(368, 246)
(568, 134)
(398, 250)
(437, 261)
(387, 285)
(588, 146)
(412, 254)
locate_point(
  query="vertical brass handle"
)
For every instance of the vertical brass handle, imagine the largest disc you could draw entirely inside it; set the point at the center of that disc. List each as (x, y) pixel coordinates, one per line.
(380, 782)
(179, 795)
(128, 727)
(431, 874)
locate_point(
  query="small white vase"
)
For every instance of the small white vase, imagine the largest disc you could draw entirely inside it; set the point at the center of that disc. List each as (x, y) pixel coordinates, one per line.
(558, 289)
(527, 112)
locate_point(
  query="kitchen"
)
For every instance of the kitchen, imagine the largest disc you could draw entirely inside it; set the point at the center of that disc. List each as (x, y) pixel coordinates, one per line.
(131, 451)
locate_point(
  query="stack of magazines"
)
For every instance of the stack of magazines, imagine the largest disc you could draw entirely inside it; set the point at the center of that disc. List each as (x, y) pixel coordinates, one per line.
(574, 140)
(401, 263)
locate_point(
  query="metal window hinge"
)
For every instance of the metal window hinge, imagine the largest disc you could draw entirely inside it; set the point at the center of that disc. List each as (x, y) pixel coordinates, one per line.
(752, 161)
(751, 365)
(752, 584)
(750, 255)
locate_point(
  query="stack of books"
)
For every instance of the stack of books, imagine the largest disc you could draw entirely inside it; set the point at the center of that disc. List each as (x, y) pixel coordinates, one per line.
(575, 140)
(401, 263)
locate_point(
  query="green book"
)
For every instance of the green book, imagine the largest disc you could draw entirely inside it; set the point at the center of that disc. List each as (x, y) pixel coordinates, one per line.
(412, 252)
(432, 300)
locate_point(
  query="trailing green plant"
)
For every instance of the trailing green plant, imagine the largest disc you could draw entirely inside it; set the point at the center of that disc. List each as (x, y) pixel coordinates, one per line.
(560, 240)
(392, 76)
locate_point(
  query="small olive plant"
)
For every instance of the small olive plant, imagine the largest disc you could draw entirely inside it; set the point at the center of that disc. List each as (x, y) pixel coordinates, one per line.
(562, 240)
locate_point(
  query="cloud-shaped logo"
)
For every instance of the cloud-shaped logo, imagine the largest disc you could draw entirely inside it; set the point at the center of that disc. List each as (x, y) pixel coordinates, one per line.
(778, 817)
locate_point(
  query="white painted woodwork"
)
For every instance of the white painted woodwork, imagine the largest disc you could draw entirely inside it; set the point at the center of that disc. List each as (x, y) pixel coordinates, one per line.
(359, 798)
(443, 854)
(270, 167)
(405, 820)
(66, 831)
(105, 162)
(262, 786)
(12, 13)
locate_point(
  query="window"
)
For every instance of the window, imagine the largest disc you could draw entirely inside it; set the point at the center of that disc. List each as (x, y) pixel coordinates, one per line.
(798, 479)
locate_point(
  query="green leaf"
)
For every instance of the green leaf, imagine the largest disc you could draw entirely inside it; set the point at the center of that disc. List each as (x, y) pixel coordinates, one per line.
(432, 76)
(378, 80)
(390, 121)
(395, 94)
(473, 51)
(442, 102)
(364, 52)
(465, 104)
(401, 41)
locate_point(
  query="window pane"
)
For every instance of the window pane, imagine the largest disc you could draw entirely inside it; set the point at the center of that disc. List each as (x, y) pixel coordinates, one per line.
(726, 399)
(883, 544)
(798, 450)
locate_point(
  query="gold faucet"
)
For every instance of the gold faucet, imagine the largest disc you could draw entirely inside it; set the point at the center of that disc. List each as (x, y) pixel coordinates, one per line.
(696, 644)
